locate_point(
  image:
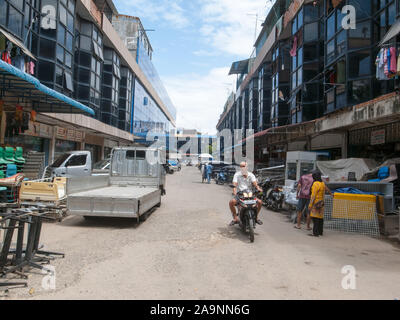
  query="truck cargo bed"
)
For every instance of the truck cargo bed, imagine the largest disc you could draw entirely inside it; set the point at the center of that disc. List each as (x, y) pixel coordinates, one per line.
(114, 201)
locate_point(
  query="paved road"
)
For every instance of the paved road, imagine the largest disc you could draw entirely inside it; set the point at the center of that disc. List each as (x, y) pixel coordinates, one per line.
(185, 250)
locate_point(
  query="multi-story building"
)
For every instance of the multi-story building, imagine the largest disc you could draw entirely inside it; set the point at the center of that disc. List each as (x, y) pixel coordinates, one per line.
(312, 68)
(79, 85)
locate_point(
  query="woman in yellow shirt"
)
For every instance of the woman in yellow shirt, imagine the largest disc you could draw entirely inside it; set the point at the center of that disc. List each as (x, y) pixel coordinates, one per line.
(317, 204)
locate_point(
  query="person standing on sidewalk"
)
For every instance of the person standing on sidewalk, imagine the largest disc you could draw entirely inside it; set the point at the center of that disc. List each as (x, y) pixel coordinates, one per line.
(317, 204)
(304, 196)
(209, 169)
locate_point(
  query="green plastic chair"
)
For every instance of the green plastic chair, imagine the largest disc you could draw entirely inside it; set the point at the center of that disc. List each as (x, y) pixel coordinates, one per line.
(19, 155)
(9, 154)
(3, 161)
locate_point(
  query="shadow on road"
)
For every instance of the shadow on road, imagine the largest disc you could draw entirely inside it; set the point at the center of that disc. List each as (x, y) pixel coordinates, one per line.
(234, 233)
(101, 223)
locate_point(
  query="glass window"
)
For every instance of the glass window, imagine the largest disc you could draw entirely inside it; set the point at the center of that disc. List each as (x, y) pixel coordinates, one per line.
(84, 76)
(86, 43)
(330, 51)
(75, 161)
(300, 19)
(363, 8)
(300, 76)
(86, 29)
(15, 21)
(63, 15)
(294, 81)
(68, 82)
(311, 32)
(46, 71)
(361, 36)
(359, 91)
(47, 48)
(392, 14)
(59, 76)
(3, 12)
(311, 13)
(70, 22)
(69, 42)
(84, 59)
(294, 63)
(359, 64)
(71, 5)
(19, 4)
(339, 19)
(294, 26)
(60, 54)
(331, 26)
(68, 59)
(341, 42)
(300, 57)
(61, 35)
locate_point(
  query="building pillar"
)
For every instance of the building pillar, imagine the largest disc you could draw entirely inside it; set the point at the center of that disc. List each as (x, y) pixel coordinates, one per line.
(345, 145)
(52, 146)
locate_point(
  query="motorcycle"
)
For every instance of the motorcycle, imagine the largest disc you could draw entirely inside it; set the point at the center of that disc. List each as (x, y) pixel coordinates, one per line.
(273, 195)
(247, 205)
(221, 178)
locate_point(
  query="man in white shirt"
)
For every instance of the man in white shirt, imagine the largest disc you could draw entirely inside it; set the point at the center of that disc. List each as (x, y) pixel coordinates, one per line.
(242, 181)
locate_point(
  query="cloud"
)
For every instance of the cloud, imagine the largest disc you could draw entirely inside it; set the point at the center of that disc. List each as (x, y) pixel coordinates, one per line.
(199, 99)
(228, 28)
(170, 12)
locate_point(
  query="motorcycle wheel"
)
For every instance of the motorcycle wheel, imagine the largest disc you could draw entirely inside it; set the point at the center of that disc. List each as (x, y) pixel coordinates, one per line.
(251, 230)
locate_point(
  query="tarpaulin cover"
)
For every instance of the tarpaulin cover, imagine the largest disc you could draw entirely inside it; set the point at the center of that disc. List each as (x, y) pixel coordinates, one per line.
(393, 175)
(338, 170)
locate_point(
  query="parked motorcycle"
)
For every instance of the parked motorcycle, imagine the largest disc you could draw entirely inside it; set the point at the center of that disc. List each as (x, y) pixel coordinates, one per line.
(273, 196)
(221, 178)
(247, 206)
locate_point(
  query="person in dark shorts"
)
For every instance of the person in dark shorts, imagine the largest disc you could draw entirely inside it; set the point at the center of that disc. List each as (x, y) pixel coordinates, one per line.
(304, 196)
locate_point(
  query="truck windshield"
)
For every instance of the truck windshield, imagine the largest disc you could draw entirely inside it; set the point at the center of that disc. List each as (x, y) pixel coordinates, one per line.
(60, 160)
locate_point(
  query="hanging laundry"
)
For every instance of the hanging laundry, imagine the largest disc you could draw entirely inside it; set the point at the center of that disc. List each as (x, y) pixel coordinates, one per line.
(398, 65)
(386, 62)
(31, 68)
(293, 52)
(380, 65)
(393, 60)
(6, 57)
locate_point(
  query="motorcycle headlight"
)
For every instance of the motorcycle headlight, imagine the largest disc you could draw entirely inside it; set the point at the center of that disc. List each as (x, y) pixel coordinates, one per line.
(245, 195)
(250, 195)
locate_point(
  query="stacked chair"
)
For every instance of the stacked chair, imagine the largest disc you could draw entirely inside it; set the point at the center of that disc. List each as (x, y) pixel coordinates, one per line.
(11, 163)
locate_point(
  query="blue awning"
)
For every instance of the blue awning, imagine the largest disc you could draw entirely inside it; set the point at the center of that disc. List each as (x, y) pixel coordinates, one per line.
(17, 84)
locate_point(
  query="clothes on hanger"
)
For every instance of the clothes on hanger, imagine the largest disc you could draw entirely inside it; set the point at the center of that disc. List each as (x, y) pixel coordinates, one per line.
(18, 60)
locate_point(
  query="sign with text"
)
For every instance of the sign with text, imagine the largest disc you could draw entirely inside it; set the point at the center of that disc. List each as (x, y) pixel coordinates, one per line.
(378, 137)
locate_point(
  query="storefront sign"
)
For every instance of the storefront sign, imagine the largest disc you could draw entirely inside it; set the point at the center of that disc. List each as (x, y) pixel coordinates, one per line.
(378, 137)
(78, 136)
(70, 134)
(41, 130)
(61, 133)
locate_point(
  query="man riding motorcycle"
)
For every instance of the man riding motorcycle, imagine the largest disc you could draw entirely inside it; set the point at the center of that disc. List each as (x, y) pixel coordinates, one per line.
(244, 180)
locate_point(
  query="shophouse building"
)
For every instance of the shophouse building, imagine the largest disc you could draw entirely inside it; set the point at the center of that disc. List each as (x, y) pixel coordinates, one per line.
(318, 69)
(74, 79)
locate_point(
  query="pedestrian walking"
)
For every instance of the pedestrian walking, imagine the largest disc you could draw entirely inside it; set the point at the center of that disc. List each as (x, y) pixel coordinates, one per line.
(208, 170)
(317, 204)
(304, 196)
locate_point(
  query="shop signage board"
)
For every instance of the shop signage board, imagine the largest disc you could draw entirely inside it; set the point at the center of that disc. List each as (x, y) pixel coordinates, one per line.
(378, 137)
(61, 133)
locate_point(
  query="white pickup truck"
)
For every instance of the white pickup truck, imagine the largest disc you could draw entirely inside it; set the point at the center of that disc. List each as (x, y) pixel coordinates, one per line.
(133, 187)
